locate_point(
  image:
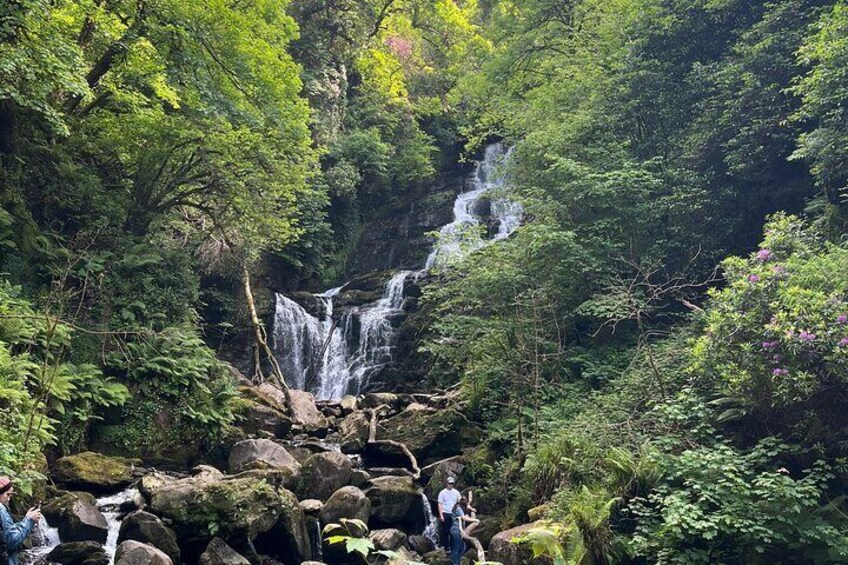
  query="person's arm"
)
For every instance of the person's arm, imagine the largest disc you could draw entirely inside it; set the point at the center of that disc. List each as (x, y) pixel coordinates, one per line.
(441, 508)
(15, 533)
(4, 555)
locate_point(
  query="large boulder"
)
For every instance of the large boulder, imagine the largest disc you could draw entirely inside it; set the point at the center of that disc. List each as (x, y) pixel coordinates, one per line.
(504, 550)
(348, 404)
(260, 454)
(304, 412)
(147, 528)
(94, 472)
(136, 553)
(323, 474)
(76, 518)
(377, 399)
(347, 502)
(388, 539)
(395, 502)
(431, 435)
(288, 540)
(353, 433)
(257, 419)
(219, 553)
(439, 472)
(78, 553)
(421, 544)
(237, 508)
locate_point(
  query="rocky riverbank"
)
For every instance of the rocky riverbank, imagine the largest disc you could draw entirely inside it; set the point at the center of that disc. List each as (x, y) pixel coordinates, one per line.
(269, 491)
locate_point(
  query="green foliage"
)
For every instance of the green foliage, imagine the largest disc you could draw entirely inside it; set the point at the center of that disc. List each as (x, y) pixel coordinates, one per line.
(776, 337)
(181, 392)
(719, 505)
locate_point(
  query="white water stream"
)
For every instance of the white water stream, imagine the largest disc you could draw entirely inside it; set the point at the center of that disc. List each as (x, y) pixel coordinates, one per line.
(333, 354)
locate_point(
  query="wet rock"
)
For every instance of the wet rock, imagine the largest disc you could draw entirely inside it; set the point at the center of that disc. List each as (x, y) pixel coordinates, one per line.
(358, 478)
(347, 502)
(431, 435)
(78, 553)
(147, 528)
(323, 474)
(421, 545)
(386, 455)
(197, 508)
(304, 412)
(219, 553)
(377, 399)
(257, 419)
(93, 471)
(488, 528)
(137, 553)
(311, 507)
(288, 540)
(503, 550)
(395, 502)
(348, 404)
(353, 433)
(277, 477)
(76, 518)
(438, 557)
(260, 454)
(388, 539)
(152, 482)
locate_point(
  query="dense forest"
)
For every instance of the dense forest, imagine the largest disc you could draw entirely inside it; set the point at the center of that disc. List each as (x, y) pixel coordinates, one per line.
(656, 357)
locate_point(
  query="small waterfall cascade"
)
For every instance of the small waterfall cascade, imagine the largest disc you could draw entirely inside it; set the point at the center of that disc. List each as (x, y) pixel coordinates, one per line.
(44, 540)
(465, 233)
(113, 509)
(431, 523)
(335, 353)
(334, 356)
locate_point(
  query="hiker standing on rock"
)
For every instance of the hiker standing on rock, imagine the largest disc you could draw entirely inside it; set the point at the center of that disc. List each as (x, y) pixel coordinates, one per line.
(448, 499)
(14, 533)
(460, 519)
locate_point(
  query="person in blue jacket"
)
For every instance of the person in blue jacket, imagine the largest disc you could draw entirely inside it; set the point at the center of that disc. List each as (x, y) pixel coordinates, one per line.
(14, 532)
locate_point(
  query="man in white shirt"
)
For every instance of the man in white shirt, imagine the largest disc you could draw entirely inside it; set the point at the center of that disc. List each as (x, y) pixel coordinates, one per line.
(448, 498)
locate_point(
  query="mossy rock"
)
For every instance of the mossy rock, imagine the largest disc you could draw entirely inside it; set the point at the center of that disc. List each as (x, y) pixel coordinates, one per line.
(431, 435)
(94, 471)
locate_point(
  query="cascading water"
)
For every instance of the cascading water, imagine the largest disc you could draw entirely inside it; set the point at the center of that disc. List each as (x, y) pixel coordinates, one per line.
(112, 508)
(465, 233)
(431, 524)
(336, 354)
(44, 540)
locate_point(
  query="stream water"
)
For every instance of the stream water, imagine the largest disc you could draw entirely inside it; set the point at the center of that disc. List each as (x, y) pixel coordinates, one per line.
(335, 353)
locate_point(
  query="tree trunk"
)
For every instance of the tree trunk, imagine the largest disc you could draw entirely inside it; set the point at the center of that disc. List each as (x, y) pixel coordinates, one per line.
(261, 340)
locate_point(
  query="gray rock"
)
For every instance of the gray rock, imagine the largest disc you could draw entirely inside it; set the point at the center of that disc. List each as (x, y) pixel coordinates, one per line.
(353, 432)
(348, 404)
(376, 399)
(421, 545)
(76, 518)
(347, 502)
(219, 553)
(323, 474)
(78, 553)
(93, 471)
(304, 412)
(395, 502)
(137, 553)
(358, 478)
(288, 540)
(503, 550)
(146, 528)
(388, 539)
(259, 454)
(311, 506)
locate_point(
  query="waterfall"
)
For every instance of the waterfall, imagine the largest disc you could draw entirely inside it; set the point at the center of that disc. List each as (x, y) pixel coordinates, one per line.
(431, 523)
(44, 540)
(112, 508)
(465, 233)
(333, 354)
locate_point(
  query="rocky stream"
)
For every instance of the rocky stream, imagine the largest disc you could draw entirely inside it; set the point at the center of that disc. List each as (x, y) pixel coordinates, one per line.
(334, 447)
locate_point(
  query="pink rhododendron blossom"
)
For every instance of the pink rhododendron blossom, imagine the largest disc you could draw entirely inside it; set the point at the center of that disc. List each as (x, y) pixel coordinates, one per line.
(754, 278)
(779, 372)
(764, 255)
(806, 336)
(842, 319)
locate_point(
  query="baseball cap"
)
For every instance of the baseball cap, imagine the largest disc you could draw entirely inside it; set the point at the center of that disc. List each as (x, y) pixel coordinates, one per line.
(5, 484)
(451, 480)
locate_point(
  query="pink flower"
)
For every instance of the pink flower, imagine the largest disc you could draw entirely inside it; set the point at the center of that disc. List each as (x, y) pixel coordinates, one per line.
(806, 336)
(764, 255)
(843, 342)
(779, 372)
(779, 270)
(769, 345)
(842, 319)
(753, 278)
